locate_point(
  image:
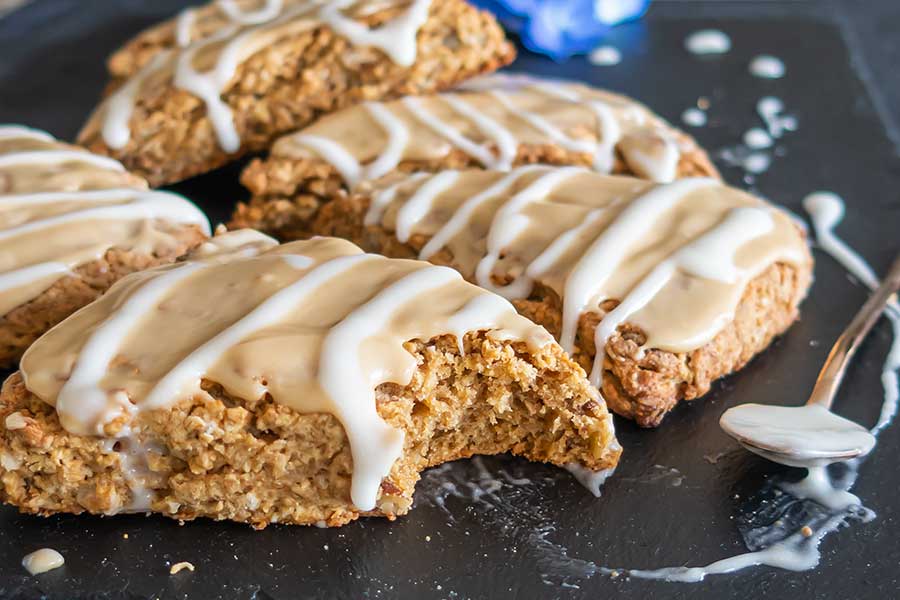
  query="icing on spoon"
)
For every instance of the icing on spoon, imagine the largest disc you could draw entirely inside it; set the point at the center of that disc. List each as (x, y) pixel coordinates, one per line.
(811, 435)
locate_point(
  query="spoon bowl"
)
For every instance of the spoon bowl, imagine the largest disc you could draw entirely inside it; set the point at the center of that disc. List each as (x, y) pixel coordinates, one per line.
(799, 436)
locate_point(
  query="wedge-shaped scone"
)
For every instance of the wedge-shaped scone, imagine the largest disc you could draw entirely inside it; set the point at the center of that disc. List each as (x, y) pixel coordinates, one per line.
(72, 223)
(657, 290)
(195, 92)
(306, 383)
(496, 122)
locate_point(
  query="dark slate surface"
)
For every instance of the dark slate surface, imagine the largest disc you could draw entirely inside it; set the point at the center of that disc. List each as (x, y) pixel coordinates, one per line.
(671, 502)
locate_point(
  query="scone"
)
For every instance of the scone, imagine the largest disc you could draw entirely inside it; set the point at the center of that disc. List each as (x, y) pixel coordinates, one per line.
(71, 224)
(304, 383)
(216, 82)
(495, 122)
(657, 290)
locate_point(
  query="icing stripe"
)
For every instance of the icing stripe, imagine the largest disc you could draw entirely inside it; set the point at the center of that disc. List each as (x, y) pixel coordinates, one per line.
(710, 255)
(82, 405)
(55, 157)
(599, 262)
(22, 132)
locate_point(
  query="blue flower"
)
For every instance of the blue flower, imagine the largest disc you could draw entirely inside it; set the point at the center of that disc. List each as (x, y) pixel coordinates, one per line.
(561, 28)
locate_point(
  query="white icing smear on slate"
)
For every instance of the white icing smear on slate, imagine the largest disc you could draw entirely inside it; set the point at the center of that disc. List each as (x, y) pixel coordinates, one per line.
(708, 41)
(767, 67)
(694, 117)
(605, 56)
(43, 560)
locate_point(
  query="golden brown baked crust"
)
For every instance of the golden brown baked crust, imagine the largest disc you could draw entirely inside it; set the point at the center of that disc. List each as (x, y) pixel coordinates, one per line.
(261, 462)
(289, 84)
(640, 386)
(287, 193)
(24, 324)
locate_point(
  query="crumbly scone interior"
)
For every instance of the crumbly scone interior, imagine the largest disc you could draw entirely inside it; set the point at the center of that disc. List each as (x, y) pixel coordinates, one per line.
(261, 462)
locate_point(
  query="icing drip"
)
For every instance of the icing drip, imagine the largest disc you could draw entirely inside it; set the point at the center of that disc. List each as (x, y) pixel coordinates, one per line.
(83, 223)
(489, 119)
(675, 257)
(317, 325)
(240, 35)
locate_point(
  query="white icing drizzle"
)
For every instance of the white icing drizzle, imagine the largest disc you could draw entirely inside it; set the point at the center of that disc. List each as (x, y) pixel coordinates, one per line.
(477, 151)
(22, 132)
(184, 22)
(269, 10)
(32, 268)
(419, 204)
(56, 157)
(83, 406)
(397, 38)
(499, 113)
(508, 224)
(376, 445)
(710, 256)
(461, 217)
(600, 260)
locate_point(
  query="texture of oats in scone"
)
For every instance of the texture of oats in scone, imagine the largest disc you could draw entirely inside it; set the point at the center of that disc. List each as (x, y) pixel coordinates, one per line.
(304, 383)
(71, 224)
(657, 290)
(495, 122)
(226, 79)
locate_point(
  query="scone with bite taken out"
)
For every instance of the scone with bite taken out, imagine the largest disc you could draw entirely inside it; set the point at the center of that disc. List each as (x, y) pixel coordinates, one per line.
(303, 383)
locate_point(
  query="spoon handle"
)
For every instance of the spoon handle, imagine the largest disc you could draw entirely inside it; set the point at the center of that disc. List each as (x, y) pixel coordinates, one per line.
(832, 372)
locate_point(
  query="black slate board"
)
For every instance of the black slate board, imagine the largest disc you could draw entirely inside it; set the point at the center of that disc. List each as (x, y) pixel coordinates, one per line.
(545, 538)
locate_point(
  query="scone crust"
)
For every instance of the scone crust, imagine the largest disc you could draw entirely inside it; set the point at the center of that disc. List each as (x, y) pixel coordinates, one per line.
(289, 84)
(640, 386)
(287, 193)
(260, 462)
(20, 327)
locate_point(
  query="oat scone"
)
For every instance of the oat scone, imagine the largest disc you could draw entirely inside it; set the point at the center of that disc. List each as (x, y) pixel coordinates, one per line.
(226, 79)
(495, 122)
(71, 224)
(657, 290)
(304, 383)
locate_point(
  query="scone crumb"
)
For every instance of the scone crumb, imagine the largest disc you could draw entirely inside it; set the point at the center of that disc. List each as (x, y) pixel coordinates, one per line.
(806, 531)
(178, 567)
(15, 421)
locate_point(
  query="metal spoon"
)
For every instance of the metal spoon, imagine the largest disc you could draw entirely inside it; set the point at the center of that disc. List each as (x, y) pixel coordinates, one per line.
(811, 435)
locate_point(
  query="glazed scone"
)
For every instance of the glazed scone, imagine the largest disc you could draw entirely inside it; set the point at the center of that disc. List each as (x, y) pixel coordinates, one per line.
(226, 79)
(496, 122)
(71, 224)
(304, 383)
(657, 290)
